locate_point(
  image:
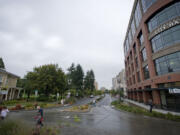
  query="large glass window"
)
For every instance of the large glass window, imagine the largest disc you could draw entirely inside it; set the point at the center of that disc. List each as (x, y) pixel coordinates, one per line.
(167, 64)
(164, 16)
(129, 37)
(141, 39)
(1, 79)
(146, 72)
(147, 3)
(143, 53)
(133, 29)
(138, 15)
(138, 77)
(166, 38)
(134, 49)
(137, 65)
(126, 47)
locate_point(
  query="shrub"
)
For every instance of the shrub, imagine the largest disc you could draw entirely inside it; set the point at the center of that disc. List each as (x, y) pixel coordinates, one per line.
(70, 100)
(42, 98)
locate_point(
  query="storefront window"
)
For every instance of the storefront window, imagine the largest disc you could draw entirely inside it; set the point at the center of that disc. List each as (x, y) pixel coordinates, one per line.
(164, 16)
(143, 53)
(167, 64)
(147, 3)
(146, 72)
(166, 38)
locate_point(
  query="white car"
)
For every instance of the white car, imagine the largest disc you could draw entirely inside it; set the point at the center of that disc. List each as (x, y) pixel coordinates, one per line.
(91, 96)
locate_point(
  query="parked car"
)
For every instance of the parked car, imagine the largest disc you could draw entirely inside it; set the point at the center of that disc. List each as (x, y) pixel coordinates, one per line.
(91, 96)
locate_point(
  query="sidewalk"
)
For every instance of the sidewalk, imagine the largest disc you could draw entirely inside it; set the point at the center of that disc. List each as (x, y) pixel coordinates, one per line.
(147, 107)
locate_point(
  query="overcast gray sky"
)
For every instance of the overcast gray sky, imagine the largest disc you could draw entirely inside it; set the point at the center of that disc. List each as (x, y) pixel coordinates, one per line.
(88, 32)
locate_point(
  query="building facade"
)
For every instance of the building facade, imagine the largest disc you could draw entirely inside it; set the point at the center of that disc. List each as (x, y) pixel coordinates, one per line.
(152, 53)
(96, 85)
(8, 89)
(119, 82)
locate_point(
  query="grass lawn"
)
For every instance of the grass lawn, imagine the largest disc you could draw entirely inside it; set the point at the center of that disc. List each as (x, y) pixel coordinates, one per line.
(23, 104)
(141, 111)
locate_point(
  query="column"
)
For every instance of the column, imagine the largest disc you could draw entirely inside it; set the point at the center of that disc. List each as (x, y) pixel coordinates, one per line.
(145, 97)
(156, 98)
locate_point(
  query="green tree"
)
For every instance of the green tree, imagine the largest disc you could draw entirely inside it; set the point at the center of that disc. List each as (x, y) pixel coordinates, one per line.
(2, 64)
(75, 77)
(47, 79)
(89, 80)
(78, 77)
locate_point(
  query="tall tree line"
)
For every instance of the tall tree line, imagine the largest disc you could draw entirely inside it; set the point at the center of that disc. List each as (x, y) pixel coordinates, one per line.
(51, 79)
(77, 80)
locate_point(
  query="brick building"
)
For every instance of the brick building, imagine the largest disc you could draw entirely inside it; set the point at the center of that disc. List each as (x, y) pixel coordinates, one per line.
(152, 53)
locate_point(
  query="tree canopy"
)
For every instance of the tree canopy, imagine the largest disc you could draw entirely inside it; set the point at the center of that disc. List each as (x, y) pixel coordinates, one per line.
(47, 79)
(89, 80)
(75, 77)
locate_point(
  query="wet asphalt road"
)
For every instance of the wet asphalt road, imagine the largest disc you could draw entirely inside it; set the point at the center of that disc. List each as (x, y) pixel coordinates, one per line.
(102, 120)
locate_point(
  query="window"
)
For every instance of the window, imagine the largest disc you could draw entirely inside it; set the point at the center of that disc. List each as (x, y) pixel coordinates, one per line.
(134, 81)
(146, 72)
(138, 77)
(126, 47)
(166, 38)
(138, 15)
(131, 56)
(143, 54)
(167, 64)
(129, 71)
(130, 37)
(147, 3)
(132, 67)
(164, 16)
(1, 79)
(134, 48)
(133, 29)
(130, 81)
(141, 39)
(137, 65)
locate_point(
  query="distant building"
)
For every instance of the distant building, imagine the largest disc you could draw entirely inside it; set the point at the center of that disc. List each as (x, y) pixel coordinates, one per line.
(119, 82)
(96, 85)
(8, 89)
(103, 88)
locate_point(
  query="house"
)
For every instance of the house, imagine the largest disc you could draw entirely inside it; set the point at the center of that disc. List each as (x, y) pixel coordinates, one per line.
(8, 89)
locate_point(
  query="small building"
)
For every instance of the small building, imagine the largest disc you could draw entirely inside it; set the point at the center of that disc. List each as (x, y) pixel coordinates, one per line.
(8, 89)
